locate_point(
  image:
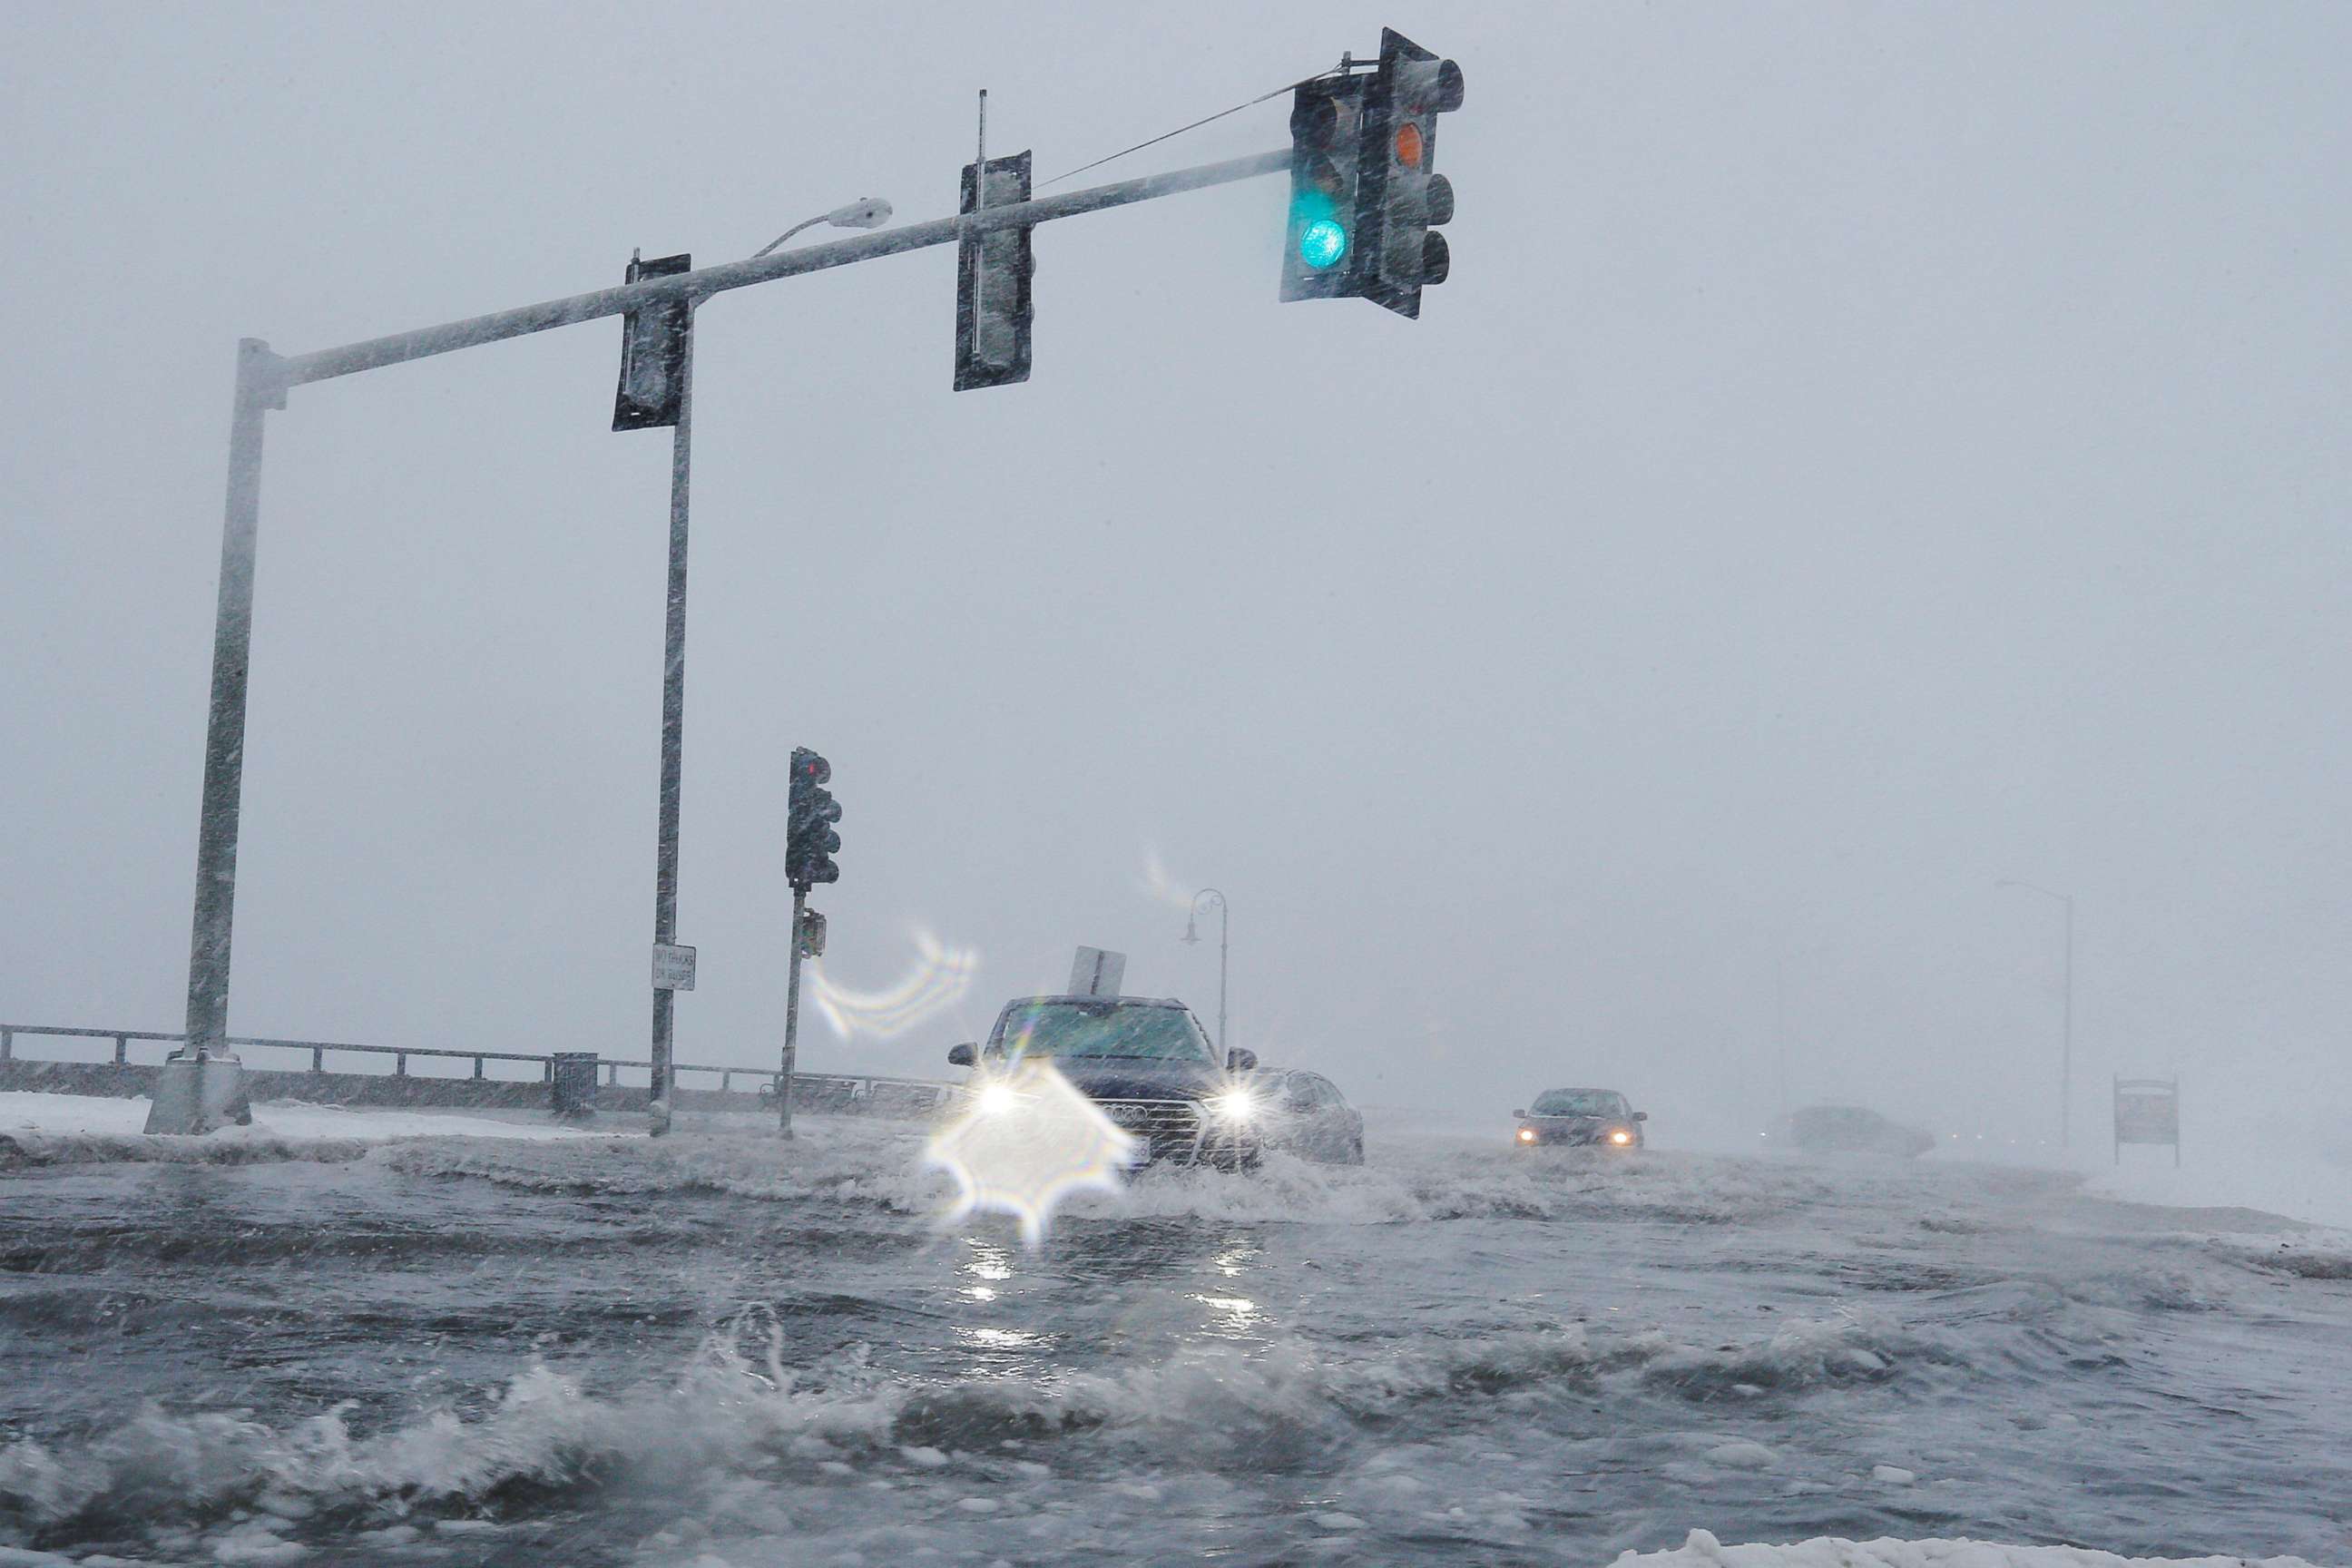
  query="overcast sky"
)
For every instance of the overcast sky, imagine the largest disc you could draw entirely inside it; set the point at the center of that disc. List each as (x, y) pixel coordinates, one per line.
(1864, 452)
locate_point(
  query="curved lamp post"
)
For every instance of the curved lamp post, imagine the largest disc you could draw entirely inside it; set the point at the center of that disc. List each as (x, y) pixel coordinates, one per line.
(1225, 943)
(2066, 1037)
(866, 211)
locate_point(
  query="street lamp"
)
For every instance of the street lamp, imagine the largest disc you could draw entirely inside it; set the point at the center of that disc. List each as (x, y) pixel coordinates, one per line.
(2066, 1038)
(1225, 943)
(866, 211)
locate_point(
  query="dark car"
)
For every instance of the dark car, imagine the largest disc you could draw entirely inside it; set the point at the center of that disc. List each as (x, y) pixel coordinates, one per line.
(1853, 1129)
(1591, 1117)
(1306, 1115)
(1146, 1062)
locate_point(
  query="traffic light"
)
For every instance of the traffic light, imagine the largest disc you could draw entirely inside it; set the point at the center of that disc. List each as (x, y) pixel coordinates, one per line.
(1410, 90)
(652, 352)
(992, 274)
(809, 837)
(1319, 254)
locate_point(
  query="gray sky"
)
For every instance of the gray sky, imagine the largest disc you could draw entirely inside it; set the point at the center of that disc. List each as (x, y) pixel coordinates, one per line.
(1863, 451)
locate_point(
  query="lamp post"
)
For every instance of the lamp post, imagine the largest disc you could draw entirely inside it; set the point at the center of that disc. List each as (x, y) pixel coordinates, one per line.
(2066, 1037)
(1225, 944)
(866, 211)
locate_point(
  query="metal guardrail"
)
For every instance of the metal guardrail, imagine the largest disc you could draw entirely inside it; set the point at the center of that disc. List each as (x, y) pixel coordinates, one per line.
(400, 1055)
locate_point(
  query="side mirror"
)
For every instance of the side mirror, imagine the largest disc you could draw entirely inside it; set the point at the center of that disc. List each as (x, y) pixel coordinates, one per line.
(1641, 1116)
(1239, 1060)
(963, 1056)
(1519, 1116)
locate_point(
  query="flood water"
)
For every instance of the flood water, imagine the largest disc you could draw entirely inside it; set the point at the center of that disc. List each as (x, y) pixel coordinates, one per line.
(723, 1351)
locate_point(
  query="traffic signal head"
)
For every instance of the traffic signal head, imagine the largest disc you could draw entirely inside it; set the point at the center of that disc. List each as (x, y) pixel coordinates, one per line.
(1320, 253)
(1410, 90)
(652, 352)
(994, 268)
(811, 812)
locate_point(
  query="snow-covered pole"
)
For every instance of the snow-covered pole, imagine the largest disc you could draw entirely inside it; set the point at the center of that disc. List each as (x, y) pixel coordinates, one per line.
(673, 735)
(791, 1013)
(375, 354)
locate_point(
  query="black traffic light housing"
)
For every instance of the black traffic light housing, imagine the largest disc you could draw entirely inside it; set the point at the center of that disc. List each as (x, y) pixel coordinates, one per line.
(809, 837)
(1401, 252)
(652, 352)
(994, 269)
(1320, 252)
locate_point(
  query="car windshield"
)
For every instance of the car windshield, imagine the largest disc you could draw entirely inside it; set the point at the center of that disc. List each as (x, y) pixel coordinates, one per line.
(1579, 1102)
(1101, 1029)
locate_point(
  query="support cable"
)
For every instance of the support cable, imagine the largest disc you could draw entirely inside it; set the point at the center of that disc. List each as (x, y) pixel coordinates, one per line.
(1289, 87)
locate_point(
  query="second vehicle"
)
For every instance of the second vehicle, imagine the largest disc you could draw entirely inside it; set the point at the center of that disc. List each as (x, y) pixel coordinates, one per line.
(1592, 1117)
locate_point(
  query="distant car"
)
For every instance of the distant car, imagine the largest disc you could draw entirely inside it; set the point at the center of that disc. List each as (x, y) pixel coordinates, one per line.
(1306, 1115)
(1853, 1129)
(1146, 1062)
(1591, 1117)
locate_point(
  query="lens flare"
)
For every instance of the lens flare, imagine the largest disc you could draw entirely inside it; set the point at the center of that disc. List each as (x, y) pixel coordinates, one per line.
(1024, 1144)
(1160, 885)
(940, 977)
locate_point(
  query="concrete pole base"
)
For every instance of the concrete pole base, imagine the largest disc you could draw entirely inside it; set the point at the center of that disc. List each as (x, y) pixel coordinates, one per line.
(199, 1094)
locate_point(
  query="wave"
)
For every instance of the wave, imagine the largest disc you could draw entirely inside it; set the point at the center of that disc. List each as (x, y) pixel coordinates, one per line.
(736, 1411)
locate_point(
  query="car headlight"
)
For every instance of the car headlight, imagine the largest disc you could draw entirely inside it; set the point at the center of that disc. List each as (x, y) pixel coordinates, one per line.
(1527, 1134)
(1236, 1106)
(1620, 1136)
(995, 1100)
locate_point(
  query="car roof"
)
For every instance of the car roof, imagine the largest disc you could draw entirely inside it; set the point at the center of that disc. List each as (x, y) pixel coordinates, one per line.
(1100, 1001)
(1617, 1092)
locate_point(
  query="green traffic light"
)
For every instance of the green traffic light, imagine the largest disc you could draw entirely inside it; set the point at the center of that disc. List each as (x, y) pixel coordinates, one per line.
(1322, 243)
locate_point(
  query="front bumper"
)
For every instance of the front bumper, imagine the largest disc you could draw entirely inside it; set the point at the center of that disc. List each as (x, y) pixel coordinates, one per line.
(1182, 1132)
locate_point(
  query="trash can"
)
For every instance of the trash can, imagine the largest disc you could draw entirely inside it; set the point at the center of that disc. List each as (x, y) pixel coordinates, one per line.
(571, 1078)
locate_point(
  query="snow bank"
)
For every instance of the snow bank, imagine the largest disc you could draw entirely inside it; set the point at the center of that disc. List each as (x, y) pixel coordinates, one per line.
(2316, 1190)
(40, 1129)
(1703, 1551)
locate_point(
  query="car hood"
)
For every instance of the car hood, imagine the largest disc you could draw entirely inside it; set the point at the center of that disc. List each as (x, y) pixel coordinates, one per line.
(1576, 1123)
(1118, 1078)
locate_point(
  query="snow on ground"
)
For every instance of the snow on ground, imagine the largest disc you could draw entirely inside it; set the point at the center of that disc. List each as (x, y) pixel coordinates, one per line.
(2313, 1189)
(1703, 1551)
(42, 1116)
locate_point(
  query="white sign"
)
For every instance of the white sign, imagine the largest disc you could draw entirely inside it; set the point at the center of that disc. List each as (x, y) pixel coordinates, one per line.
(1097, 972)
(673, 967)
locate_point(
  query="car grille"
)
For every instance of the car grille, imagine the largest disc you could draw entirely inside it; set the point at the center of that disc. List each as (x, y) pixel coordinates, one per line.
(1168, 1128)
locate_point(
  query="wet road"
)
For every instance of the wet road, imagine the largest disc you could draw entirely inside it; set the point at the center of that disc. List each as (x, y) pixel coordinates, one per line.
(720, 1351)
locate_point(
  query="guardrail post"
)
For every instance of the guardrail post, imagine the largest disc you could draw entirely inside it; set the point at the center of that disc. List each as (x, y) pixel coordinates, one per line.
(724, 1079)
(400, 1064)
(477, 1067)
(613, 1073)
(8, 1044)
(121, 1049)
(317, 1058)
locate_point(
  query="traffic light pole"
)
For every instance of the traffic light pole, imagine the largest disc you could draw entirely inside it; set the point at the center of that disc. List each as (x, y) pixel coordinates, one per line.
(792, 1017)
(197, 1097)
(673, 735)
